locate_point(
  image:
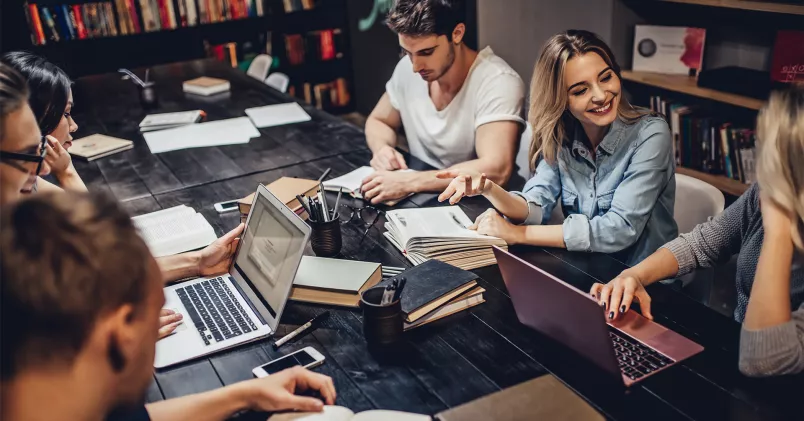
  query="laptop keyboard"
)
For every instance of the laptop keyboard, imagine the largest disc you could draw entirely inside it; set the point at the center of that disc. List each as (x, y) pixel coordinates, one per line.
(636, 360)
(215, 311)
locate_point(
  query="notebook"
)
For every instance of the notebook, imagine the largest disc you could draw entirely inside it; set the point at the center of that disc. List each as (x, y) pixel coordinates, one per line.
(334, 281)
(462, 302)
(174, 230)
(206, 86)
(231, 131)
(170, 120)
(285, 189)
(351, 183)
(97, 146)
(543, 398)
(277, 115)
(431, 285)
(440, 233)
(339, 413)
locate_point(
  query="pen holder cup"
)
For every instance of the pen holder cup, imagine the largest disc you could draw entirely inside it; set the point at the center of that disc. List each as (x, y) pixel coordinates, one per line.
(148, 97)
(382, 325)
(326, 237)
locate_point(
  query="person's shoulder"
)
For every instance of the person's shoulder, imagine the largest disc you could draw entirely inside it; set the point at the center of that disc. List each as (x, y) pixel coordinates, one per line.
(403, 69)
(646, 127)
(491, 67)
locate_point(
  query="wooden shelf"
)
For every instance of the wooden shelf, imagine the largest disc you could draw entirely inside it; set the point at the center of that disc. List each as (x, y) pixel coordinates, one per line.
(724, 184)
(759, 6)
(687, 85)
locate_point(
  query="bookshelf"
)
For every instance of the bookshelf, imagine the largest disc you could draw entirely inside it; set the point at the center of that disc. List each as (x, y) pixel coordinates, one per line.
(724, 184)
(758, 6)
(687, 85)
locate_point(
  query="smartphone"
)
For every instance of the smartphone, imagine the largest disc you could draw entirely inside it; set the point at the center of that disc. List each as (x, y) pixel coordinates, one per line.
(224, 207)
(305, 357)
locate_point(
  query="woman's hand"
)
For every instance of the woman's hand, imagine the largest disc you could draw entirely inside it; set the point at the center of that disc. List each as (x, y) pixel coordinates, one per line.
(492, 223)
(169, 320)
(617, 295)
(57, 157)
(465, 183)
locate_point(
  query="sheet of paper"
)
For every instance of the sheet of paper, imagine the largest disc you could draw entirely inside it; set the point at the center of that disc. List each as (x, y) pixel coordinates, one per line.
(277, 115)
(350, 182)
(232, 131)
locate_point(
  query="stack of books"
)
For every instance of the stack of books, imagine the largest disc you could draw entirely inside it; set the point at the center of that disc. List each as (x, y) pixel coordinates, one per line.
(334, 281)
(442, 234)
(708, 144)
(285, 189)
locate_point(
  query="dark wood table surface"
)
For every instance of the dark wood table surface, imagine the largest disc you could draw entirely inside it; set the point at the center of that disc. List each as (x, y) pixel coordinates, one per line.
(438, 366)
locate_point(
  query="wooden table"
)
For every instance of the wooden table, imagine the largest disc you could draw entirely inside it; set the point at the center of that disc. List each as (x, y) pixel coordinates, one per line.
(441, 365)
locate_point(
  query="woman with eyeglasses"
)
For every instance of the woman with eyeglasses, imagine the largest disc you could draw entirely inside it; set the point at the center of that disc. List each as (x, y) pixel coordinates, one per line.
(22, 156)
(51, 99)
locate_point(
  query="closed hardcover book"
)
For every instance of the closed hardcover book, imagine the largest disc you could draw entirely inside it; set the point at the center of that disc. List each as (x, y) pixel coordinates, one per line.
(285, 189)
(97, 146)
(206, 86)
(135, 20)
(334, 281)
(51, 25)
(37, 22)
(460, 303)
(431, 285)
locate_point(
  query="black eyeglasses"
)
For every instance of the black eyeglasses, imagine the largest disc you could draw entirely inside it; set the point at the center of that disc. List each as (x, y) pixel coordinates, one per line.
(368, 215)
(9, 157)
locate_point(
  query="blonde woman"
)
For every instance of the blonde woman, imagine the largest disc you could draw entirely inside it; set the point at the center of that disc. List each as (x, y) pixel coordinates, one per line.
(609, 164)
(764, 227)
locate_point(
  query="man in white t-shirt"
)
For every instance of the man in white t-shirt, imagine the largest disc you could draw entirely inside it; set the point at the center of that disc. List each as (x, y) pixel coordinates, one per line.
(461, 109)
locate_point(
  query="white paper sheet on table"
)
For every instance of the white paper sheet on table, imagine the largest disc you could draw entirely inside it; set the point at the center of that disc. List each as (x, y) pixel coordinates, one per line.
(232, 131)
(277, 115)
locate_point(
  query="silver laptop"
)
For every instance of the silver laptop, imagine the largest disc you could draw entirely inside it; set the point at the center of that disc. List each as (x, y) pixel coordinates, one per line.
(245, 304)
(631, 347)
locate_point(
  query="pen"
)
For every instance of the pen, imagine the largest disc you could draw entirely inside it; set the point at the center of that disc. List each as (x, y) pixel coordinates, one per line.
(388, 294)
(324, 176)
(399, 289)
(323, 197)
(301, 329)
(301, 202)
(338, 200)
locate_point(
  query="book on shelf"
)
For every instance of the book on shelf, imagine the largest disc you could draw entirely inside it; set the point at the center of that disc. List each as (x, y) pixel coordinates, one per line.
(787, 65)
(336, 282)
(434, 285)
(324, 96)
(668, 49)
(440, 233)
(291, 6)
(314, 46)
(98, 146)
(174, 230)
(704, 143)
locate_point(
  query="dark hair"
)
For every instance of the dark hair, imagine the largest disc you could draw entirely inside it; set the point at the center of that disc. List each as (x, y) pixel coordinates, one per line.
(426, 17)
(48, 84)
(13, 93)
(65, 260)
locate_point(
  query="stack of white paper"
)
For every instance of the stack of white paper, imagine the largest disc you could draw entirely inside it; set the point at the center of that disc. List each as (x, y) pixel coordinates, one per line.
(214, 133)
(174, 230)
(277, 115)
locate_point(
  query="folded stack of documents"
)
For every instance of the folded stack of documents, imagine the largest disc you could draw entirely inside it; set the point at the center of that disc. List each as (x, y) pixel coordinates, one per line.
(214, 133)
(170, 120)
(277, 115)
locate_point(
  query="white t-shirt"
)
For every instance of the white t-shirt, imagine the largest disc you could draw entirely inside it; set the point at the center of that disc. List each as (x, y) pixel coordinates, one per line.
(493, 91)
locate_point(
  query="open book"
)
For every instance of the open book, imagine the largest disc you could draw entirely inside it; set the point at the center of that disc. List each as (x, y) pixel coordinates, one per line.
(174, 230)
(339, 413)
(440, 233)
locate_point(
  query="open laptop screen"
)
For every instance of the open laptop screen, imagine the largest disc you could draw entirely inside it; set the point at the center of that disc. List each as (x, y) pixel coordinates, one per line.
(269, 253)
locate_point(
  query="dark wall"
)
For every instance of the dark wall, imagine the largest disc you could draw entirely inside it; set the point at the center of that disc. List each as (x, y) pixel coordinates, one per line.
(375, 49)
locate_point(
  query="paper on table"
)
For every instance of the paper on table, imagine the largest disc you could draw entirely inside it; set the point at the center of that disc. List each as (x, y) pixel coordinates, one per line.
(277, 115)
(214, 133)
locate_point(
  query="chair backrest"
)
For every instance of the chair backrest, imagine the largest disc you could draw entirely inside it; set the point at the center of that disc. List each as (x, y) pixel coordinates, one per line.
(696, 202)
(278, 81)
(259, 67)
(521, 160)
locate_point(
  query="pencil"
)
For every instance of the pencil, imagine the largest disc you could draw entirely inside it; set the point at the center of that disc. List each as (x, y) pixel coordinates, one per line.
(338, 200)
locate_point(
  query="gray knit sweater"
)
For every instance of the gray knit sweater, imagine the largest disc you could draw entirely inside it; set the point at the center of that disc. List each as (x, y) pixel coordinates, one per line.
(771, 351)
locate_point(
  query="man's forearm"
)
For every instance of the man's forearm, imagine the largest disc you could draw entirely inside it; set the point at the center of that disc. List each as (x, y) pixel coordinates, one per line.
(215, 405)
(379, 135)
(178, 266)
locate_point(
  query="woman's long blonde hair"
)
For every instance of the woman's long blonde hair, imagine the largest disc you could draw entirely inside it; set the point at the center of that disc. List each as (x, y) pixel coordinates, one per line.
(548, 114)
(780, 138)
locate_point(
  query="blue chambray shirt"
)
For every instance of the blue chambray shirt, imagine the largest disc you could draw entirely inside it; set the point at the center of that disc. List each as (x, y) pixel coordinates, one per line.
(619, 202)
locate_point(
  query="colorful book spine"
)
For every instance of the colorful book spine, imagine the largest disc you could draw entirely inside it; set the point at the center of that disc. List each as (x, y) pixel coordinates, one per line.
(327, 45)
(37, 24)
(132, 13)
(192, 13)
(51, 25)
(171, 14)
(182, 13)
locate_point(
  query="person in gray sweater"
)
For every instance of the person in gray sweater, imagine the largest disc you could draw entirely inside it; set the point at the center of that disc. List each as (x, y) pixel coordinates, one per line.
(763, 227)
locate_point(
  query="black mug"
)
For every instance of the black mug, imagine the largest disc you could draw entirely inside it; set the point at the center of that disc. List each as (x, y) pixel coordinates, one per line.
(382, 325)
(325, 237)
(148, 97)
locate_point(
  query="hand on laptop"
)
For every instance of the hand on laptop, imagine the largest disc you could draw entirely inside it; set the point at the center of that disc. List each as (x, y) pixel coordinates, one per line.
(277, 391)
(169, 320)
(217, 257)
(492, 223)
(388, 159)
(465, 183)
(617, 295)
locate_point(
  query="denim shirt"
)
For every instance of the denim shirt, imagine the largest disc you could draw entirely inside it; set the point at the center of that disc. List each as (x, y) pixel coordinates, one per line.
(621, 200)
